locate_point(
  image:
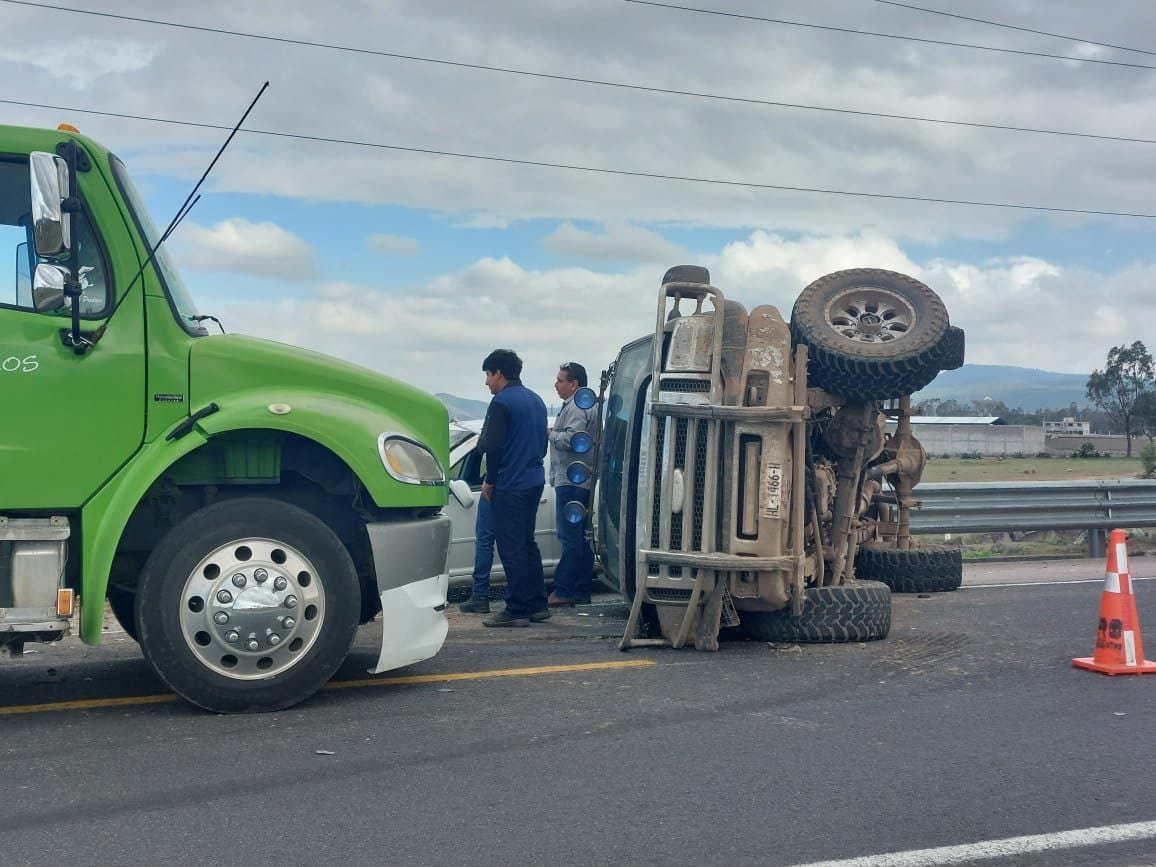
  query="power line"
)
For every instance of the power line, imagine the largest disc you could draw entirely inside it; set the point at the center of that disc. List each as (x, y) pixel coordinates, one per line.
(595, 169)
(597, 82)
(1013, 27)
(832, 28)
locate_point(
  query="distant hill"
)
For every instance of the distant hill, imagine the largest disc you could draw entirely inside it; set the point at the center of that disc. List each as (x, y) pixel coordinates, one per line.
(1018, 387)
(463, 408)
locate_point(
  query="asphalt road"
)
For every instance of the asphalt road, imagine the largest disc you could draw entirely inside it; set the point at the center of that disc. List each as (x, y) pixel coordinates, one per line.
(967, 725)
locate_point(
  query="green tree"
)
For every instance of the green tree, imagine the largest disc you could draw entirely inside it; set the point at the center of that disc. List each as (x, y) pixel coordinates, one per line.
(1144, 415)
(1115, 389)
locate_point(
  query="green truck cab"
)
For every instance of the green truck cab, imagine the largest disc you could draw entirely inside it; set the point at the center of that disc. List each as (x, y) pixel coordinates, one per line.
(241, 504)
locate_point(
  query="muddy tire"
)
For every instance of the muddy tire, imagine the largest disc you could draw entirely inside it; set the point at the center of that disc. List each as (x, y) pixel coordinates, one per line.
(927, 569)
(858, 611)
(687, 274)
(123, 605)
(873, 334)
(248, 605)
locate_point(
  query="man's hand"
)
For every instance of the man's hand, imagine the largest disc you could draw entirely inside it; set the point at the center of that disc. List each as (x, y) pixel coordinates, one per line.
(487, 490)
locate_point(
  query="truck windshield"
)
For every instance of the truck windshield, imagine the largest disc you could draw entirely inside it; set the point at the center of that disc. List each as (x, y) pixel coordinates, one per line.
(179, 298)
(620, 428)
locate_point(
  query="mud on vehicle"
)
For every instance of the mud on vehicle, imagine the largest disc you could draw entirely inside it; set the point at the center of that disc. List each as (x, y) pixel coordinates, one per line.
(746, 475)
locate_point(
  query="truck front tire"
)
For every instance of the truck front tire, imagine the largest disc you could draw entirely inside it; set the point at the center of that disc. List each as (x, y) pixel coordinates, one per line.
(248, 605)
(123, 605)
(856, 611)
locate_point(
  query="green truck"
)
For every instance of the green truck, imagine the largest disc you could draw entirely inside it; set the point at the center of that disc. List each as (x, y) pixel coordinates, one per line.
(241, 505)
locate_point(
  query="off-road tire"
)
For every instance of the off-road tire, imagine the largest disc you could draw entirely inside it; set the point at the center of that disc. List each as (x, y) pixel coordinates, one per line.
(926, 569)
(856, 611)
(872, 334)
(951, 349)
(178, 584)
(123, 605)
(687, 274)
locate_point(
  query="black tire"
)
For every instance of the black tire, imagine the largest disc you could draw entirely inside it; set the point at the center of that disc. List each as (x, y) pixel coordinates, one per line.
(309, 599)
(857, 611)
(870, 334)
(686, 274)
(951, 349)
(927, 569)
(123, 605)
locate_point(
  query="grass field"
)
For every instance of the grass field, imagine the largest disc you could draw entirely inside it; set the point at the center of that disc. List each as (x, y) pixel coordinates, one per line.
(993, 469)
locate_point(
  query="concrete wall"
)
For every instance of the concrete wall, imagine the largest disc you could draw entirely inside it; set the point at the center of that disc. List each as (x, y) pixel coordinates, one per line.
(986, 439)
(1112, 443)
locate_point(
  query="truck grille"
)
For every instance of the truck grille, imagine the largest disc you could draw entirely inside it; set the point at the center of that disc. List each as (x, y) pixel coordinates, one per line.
(685, 385)
(663, 594)
(689, 448)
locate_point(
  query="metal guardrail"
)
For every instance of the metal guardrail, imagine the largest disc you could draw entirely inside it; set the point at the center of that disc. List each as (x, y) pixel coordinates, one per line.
(992, 507)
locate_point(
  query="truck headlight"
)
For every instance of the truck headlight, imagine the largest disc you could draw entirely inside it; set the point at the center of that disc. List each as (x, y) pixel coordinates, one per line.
(409, 461)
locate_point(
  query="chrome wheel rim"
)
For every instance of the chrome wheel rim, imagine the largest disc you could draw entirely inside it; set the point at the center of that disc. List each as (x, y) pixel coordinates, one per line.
(867, 314)
(252, 609)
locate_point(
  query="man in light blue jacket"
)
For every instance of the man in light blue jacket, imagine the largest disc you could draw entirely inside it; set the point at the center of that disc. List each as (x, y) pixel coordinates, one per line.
(572, 578)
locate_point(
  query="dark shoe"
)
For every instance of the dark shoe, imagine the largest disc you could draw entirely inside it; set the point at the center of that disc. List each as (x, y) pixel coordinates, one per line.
(504, 618)
(556, 601)
(475, 606)
(540, 616)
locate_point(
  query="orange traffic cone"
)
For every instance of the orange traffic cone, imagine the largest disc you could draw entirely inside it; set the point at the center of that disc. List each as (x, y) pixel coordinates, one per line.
(1119, 649)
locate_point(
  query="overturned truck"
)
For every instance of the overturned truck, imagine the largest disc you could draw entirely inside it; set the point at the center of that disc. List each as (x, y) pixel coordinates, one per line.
(746, 475)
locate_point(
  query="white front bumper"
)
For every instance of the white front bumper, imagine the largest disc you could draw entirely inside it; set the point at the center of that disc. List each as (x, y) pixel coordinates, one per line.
(413, 620)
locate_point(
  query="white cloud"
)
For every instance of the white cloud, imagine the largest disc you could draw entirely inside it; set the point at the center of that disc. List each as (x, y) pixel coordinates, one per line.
(394, 245)
(262, 249)
(82, 61)
(617, 242)
(436, 335)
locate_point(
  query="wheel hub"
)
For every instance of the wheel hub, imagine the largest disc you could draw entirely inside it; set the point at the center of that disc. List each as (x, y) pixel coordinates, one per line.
(252, 608)
(868, 314)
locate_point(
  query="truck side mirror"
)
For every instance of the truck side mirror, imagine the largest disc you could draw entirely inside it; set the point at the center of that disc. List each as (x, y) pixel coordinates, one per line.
(51, 225)
(48, 288)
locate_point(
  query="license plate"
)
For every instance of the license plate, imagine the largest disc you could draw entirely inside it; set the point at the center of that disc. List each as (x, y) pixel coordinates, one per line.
(772, 491)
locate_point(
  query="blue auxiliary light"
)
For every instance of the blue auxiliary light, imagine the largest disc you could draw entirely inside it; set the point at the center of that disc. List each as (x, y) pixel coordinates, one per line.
(585, 398)
(578, 473)
(574, 512)
(581, 442)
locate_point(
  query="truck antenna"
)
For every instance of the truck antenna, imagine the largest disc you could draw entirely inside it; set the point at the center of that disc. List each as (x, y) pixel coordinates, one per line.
(88, 341)
(193, 198)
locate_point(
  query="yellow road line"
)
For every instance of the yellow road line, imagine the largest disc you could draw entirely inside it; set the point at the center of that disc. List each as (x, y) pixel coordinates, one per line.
(130, 701)
(501, 672)
(87, 704)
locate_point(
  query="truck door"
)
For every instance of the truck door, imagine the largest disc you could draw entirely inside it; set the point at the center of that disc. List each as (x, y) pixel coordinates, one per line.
(67, 421)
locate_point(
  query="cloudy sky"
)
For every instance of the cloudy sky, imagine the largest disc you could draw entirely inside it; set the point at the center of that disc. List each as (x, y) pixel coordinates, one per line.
(330, 224)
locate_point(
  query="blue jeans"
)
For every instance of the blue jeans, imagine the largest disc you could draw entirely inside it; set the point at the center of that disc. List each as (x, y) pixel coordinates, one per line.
(575, 572)
(514, 514)
(483, 549)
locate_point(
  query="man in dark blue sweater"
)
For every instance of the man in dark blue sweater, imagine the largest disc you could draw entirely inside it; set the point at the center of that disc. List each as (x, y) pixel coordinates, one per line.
(514, 441)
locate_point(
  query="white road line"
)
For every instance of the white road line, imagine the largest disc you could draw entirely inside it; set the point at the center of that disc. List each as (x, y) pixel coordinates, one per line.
(1007, 848)
(1041, 583)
